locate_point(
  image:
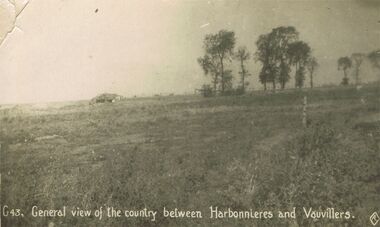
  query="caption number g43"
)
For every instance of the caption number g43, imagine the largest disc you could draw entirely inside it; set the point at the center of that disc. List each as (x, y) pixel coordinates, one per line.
(13, 212)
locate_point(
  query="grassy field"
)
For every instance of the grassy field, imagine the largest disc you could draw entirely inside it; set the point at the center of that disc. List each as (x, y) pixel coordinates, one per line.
(190, 153)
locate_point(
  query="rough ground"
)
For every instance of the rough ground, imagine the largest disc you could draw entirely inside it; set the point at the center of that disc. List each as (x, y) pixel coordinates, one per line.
(180, 151)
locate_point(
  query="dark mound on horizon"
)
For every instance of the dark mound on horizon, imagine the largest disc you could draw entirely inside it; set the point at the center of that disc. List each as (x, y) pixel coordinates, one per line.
(106, 98)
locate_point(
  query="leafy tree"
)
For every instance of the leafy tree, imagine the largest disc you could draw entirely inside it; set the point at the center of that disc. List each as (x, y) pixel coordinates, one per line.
(272, 52)
(227, 80)
(283, 76)
(266, 56)
(300, 77)
(210, 65)
(220, 46)
(243, 55)
(311, 65)
(298, 54)
(278, 51)
(357, 59)
(344, 63)
(264, 76)
(280, 38)
(374, 57)
(263, 54)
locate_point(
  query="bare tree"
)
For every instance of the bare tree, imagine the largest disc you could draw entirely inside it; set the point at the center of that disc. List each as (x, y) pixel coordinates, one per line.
(312, 65)
(357, 59)
(243, 55)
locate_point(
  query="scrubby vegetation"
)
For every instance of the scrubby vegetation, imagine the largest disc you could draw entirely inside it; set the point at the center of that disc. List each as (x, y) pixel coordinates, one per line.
(238, 152)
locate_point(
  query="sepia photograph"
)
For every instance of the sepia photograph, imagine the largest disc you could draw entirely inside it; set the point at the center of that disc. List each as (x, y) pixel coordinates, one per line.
(190, 113)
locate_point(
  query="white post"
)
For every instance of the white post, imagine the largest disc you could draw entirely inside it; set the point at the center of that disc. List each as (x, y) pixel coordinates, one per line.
(304, 113)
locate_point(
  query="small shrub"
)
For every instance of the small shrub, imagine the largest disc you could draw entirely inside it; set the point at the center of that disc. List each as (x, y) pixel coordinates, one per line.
(345, 81)
(207, 91)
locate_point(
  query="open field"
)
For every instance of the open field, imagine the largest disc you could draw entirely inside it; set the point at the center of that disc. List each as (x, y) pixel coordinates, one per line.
(190, 153)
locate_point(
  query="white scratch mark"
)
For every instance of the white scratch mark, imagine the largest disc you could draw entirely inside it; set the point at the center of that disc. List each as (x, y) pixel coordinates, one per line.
(204, 25)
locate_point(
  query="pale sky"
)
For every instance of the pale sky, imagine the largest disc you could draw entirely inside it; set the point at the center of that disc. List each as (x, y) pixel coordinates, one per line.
(62, 50)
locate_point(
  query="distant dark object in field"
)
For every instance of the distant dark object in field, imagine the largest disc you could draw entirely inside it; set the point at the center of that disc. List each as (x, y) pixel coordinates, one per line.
(96, 10)
(106, 97)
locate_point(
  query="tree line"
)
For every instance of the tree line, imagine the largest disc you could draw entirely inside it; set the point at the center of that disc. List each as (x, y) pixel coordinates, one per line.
(280, 52)
(281, 55)
(355, 61)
